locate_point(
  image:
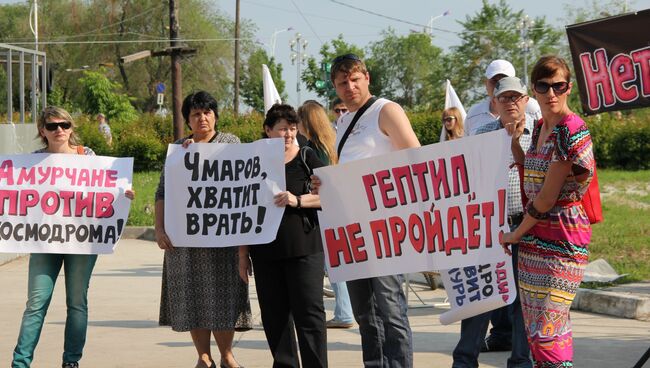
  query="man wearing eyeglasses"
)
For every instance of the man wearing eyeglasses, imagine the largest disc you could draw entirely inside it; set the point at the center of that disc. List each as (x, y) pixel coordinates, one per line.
(378, 303)
(510, 99)
(485, 111)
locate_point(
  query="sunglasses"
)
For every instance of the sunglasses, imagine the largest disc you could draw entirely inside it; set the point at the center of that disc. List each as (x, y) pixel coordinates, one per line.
(341, 58)
(506, 99)
(340, 111)
(558, 87)
(449, 119)
(65, 125)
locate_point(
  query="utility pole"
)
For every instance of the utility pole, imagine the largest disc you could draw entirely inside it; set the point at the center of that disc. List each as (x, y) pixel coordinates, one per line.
(177, 78)
(236, 98)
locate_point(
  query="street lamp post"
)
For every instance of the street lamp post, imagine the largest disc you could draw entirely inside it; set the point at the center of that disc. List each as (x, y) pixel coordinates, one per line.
(298, 57)
(525, 44)
(429, 29)
(273, 39)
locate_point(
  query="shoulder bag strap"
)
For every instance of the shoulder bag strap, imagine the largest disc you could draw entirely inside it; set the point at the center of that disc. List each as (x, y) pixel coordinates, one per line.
(356, 117)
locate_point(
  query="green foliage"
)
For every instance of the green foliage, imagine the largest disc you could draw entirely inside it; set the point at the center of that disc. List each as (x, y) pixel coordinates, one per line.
(101, 95)
(87, 129)
(492, 34)
(407, 69)
(248, 127)
(142, 209)
(252, 88)
(623, 238)
(621, 140)
(426, 126)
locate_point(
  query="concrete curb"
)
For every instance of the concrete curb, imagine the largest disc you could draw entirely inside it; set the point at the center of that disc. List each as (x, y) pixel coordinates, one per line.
(613, 303)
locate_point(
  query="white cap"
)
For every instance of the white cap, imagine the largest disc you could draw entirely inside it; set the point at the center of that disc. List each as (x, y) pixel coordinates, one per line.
(500, 67)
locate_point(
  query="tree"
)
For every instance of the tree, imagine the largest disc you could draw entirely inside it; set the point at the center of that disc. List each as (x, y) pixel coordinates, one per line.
(251, 88)
(100, 95)
(491, 34)
(313, 73)
(407, 69)
(76, 22)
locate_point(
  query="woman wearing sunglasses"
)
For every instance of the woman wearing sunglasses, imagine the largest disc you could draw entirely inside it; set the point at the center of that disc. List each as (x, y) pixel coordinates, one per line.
(555, 233)
(56, 130)
(453, 122)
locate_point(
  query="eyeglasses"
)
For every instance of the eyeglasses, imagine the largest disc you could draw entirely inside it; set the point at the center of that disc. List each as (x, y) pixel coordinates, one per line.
(558, 87)
(340, 111)
(506, 99)
(65, 125)
(449, 119)
(341, 58)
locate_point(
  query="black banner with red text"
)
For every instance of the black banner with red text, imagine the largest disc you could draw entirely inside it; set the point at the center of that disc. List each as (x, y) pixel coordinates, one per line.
(611, 58)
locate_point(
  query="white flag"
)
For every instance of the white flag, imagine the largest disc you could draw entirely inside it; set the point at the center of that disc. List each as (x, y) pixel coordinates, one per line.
(451, 100)
(271, 95)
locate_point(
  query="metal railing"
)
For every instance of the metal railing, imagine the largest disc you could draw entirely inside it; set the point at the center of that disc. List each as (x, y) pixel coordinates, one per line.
(11, 55)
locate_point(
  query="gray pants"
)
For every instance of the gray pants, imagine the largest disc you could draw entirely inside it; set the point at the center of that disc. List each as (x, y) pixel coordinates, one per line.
(380, 307)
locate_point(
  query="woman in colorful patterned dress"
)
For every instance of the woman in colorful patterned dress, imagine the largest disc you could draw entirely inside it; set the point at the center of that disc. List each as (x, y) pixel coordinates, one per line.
(555, 233)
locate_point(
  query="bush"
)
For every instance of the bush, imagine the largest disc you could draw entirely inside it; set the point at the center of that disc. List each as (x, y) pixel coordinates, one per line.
(426, 126)
(147, 150)
(621, 142)
(248, 127)
(91, 137)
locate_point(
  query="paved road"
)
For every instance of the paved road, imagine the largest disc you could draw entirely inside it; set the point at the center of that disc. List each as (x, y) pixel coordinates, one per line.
(123, 328)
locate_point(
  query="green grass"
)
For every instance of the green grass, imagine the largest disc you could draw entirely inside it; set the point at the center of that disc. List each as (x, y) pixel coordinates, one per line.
(623, 239)
(142, 208)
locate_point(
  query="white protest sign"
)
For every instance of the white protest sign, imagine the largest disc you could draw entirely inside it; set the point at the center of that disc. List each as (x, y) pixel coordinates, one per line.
(472, 290)
(437, 207)
(221, 195)
(62, 203)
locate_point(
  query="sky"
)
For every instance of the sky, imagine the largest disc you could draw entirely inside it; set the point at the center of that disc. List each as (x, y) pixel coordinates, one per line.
(319, 21)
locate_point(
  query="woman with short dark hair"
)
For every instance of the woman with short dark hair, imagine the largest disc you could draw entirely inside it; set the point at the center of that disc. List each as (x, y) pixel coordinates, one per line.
(201, 290)
(289, 270)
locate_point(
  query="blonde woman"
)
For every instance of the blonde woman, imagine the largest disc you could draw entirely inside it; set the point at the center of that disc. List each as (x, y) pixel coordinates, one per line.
(315, 125)
(453, 122)
(56, 131)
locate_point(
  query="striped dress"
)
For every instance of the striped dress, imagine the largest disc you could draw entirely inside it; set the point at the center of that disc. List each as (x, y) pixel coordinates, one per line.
(554, 253)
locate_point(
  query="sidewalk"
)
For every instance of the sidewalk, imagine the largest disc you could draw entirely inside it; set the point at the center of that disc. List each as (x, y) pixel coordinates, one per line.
(123, 328)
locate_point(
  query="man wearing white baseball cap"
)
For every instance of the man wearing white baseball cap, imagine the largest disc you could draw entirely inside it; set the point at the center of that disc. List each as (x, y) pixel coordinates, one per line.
(484, 111)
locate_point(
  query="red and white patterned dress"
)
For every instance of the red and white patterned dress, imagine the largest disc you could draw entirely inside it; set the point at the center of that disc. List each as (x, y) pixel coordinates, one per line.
(554, 253)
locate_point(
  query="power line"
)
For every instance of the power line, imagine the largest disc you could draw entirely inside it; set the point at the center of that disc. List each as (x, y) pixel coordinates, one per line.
(313, 15)
(128, 41)
(425, 26)
(307, 21)
(117, 23)
(391, 18)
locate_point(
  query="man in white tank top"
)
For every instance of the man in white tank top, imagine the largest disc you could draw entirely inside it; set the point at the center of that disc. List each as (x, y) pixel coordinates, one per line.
(378, 303)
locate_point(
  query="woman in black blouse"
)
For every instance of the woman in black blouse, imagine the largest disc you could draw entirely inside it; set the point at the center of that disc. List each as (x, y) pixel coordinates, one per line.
(289, 271)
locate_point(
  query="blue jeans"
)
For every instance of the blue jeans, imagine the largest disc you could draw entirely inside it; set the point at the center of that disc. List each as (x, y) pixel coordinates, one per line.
(43, 272)
(380, 307)
(342, 306)
(473, 329)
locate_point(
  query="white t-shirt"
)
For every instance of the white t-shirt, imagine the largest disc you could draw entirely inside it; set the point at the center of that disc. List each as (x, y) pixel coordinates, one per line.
(366, 138)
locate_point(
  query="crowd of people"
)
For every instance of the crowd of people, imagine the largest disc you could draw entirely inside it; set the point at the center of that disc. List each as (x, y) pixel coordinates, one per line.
(205, 290)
